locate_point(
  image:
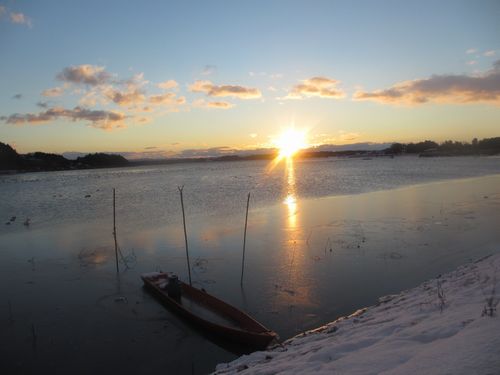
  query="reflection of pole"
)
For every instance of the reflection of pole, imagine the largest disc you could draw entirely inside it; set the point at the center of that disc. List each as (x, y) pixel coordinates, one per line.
(114, 230)
(244, 241)
(185, 233)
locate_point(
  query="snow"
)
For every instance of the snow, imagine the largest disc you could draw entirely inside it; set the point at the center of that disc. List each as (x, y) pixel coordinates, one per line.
(443, 326)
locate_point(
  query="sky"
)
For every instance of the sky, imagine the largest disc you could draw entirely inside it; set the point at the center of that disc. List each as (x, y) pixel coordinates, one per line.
(158, 78)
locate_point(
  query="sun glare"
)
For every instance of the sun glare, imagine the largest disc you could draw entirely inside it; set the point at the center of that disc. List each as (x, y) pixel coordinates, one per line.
(290, 141)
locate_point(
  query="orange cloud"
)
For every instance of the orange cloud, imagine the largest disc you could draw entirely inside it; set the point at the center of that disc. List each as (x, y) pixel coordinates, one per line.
(454, 89)
(239, 92)
(170, 84)
(321, 87)
(168, 98)
(201, 103)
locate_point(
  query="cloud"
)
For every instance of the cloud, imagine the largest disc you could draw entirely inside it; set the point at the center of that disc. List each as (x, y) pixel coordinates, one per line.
(19, 18)
(168, 98)
(170, 84)
(471, 62)
(17, 96)
(42, 104)
(201, 103)
(84, 74)
(143, 120)
(489, 53)
(239, 92)
(127, 98)
(55, 91)
(208, 70)
(321, 87)
(2, 10)
(219, 105)
(106, 120)
(453, 89)
(471, 51)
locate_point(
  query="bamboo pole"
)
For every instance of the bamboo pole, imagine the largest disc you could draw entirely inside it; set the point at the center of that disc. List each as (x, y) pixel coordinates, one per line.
(185, 232)
(244, 241)
(114, 231)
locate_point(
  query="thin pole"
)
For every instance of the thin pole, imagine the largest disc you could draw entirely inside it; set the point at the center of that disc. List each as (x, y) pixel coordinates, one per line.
(114, 231)
(185, 232)
(244, 241)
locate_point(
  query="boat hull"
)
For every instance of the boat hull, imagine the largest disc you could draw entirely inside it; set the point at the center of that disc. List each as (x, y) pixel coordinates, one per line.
(249, 332)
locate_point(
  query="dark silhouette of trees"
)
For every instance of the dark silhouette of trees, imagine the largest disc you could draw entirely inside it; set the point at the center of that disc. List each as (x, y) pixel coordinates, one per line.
(44, 161)
(417, 148)
(396, 149)
(9, 158)
(41, 161)
(99, 160)
(490, 145)
(487, 146)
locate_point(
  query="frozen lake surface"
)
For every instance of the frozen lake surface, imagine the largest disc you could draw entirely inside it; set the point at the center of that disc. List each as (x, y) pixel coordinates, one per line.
(325, 237)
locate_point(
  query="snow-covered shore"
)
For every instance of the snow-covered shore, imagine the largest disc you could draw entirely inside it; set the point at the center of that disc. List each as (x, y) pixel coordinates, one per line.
(447, 325)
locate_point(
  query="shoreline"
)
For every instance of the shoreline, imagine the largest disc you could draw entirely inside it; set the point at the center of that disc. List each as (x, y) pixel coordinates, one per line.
(444, 325)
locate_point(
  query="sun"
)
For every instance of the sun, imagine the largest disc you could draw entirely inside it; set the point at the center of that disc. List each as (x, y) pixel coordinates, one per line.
(290, 141)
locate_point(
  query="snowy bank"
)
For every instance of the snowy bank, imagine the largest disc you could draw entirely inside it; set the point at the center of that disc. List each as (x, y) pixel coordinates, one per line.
(447, 325)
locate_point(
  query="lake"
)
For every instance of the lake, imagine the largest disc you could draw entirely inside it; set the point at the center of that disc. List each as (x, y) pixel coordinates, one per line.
(325, 237)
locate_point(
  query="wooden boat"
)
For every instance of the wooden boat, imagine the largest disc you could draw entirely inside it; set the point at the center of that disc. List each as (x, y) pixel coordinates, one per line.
(210, 313)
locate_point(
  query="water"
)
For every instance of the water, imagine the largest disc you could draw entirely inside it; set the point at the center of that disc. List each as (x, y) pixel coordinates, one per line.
(325, 237)
(148, 196)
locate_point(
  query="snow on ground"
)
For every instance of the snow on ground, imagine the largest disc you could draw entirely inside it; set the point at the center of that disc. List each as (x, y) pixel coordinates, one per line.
(447, 325)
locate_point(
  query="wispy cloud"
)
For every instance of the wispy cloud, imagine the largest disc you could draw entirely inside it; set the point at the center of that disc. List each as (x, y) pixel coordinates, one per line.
(166, 85)
(20, 18)
(239, 92)
(321, 87)
(85, 74)
(202, 103)
(55, 91)
(470, 51)
(209, 70)
(17, 96)
(455, 89)
(106, 120)
(489, 53)
(168, 98)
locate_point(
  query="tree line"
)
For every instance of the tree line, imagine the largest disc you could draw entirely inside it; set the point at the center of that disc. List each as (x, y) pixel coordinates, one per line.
(41, 161)
(486, 146)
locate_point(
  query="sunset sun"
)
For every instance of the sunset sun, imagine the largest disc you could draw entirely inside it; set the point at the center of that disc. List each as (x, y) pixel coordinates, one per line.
(290, 142)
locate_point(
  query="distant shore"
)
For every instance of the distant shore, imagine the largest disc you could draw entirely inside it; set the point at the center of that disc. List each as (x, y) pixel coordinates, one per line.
(12, 162)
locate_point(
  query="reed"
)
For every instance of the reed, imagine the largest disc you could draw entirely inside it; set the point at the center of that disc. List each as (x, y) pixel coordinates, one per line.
(114, 230)
(181, 188)
(244, 241)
